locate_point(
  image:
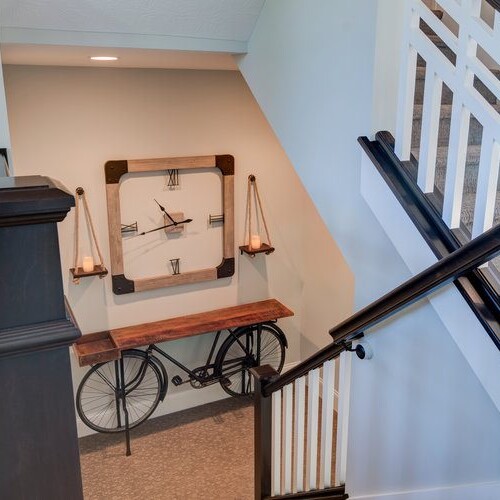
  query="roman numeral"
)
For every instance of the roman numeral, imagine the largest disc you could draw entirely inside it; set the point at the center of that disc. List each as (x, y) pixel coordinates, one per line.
(129, 228)
(173, 178)
(176, 266)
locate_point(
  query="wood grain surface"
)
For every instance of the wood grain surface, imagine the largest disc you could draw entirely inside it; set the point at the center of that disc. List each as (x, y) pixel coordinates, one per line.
(188, 278)
(152, 164)
(196, 324)
(95, 348)
(228, 199)
(106, 346)
(114, 228)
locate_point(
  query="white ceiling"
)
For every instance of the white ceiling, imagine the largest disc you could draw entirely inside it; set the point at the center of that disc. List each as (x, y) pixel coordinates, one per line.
(194, 34)
(211, 19)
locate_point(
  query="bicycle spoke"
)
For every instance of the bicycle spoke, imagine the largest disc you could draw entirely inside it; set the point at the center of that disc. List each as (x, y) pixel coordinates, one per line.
(255, 346)
(97, 402)
(106, 381)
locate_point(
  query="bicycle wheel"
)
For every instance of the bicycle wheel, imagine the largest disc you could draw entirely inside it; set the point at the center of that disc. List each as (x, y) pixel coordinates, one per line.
(244, 350)
(98, 399)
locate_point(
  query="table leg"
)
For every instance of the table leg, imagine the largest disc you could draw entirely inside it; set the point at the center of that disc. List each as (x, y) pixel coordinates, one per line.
(125, 410)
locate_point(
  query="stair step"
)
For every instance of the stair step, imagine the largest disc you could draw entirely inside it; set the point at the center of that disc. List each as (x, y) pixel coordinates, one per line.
(336, 493)
(450, 55)
(447, 95)
(475, 129)
(438, 42)
(425, 27)
(470, 183)
(471, 168)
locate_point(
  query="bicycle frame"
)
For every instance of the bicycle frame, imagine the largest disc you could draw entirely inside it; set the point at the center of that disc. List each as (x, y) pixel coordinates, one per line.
(204, 368)
(220, 366)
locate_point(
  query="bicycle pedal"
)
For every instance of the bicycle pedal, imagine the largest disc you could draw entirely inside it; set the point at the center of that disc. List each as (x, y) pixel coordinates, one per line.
(177, 380)
(225, 382)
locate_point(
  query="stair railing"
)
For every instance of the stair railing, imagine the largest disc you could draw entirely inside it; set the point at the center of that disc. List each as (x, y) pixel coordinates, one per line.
(475, 38)
(295, 431)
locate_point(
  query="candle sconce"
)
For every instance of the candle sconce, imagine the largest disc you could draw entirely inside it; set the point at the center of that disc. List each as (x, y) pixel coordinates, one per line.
(88, 267)
(255, 244)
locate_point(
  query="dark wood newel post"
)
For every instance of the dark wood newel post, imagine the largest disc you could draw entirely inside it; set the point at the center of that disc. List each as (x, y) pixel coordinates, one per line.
(38, 442)
(263, 414)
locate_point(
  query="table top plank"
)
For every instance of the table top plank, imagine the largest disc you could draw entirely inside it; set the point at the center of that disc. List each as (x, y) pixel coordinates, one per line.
(197, 324)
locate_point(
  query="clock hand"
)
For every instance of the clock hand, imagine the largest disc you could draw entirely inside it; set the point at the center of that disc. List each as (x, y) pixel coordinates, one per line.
(166, 213)
(164, 227)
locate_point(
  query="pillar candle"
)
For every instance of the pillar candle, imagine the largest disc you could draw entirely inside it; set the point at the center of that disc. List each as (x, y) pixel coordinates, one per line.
(255, 242)
(88, 264)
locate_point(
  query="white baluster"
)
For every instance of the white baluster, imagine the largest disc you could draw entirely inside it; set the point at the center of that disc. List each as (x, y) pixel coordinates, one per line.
(460, 122)
(276, 444)
(487, 182)
(312, 429)
(430, 130)
(456, 162)
(287, 437)
(343, 417)
(327, 415)
(299, 435)
(406, 96)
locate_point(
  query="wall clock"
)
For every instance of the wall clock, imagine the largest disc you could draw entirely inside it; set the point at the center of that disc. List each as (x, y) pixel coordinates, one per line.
(171, 221)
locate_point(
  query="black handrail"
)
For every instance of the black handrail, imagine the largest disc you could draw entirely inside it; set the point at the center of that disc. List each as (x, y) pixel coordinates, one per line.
(495, 4)
(470, 256)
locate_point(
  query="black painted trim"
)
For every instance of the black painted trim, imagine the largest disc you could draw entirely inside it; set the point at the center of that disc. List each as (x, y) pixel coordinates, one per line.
(331, 351)
(338, 492)
(474, 287)
(122, 285)
(30, 338)
(114, 169)
(225, 163)
(226, 268)
(33, 200)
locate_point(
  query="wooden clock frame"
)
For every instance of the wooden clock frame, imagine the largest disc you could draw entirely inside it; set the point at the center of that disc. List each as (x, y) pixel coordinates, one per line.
(115, 169)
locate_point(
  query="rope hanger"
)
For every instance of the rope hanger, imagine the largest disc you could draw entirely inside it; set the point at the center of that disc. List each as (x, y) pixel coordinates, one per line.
(252, 188)
(80, 195)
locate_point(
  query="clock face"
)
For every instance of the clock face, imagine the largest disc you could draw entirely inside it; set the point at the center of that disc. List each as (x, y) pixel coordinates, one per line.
(171, 221)
(196, 245)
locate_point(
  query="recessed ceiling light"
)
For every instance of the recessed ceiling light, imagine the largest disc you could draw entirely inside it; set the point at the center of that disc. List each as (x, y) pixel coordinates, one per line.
(104, 58)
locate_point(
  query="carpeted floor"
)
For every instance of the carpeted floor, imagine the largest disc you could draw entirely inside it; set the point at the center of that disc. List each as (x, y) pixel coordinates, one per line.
(203, 453)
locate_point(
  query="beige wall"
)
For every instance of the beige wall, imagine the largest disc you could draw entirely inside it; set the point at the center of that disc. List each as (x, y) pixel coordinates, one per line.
(66, 122)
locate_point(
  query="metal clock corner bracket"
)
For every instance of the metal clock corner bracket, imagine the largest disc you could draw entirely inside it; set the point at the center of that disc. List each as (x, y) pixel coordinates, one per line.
(114, 169)
(122, 285)
(225, 163)
(226, 268)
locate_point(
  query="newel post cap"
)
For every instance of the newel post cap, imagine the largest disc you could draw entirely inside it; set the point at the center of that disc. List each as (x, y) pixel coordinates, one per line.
(33, 199)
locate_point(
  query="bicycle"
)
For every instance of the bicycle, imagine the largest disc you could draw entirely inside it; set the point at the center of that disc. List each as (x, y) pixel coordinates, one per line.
(116, 396)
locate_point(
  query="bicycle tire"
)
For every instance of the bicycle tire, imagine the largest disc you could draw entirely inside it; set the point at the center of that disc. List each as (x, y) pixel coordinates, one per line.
(232, 363)
(97, 401)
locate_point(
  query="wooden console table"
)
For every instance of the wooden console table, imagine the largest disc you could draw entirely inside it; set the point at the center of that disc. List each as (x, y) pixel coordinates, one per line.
(106, 346)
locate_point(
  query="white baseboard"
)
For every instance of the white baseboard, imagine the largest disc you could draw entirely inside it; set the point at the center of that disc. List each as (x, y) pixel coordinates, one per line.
(181, 400)
(478, 491)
